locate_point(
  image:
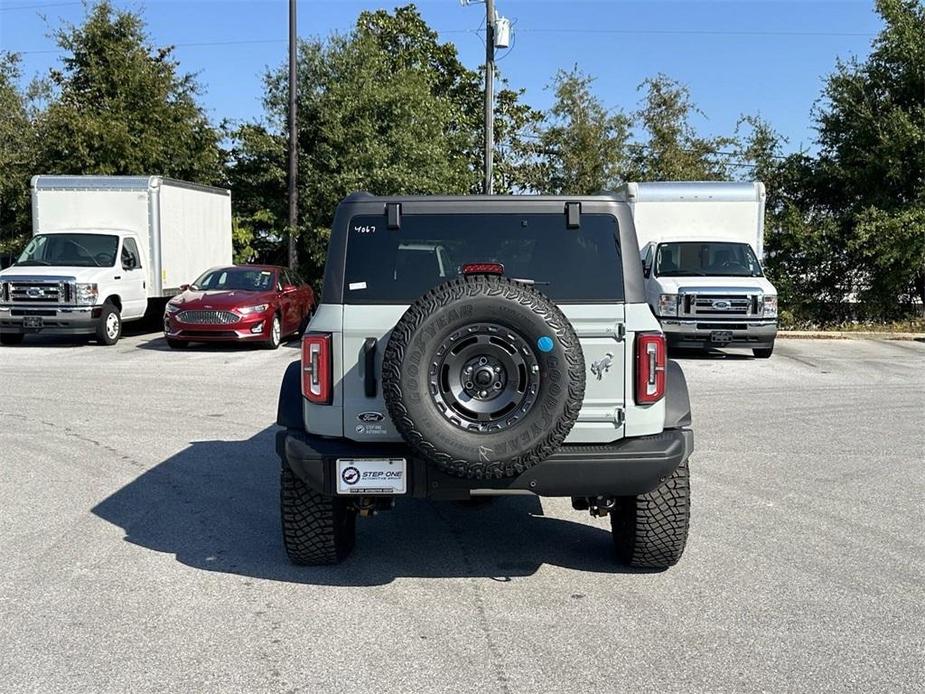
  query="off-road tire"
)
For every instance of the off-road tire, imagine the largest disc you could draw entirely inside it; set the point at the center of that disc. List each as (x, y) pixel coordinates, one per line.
(11, 338)
(764, 352)
(103, 335)
(650, 530)
(450, 309)
(317, 529)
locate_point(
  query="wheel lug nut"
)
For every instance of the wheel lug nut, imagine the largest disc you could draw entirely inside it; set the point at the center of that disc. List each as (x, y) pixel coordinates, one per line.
(484, 393)
(498, 385)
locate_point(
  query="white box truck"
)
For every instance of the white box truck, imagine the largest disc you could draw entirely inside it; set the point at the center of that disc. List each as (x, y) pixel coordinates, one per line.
(701, 245)
(104, 246)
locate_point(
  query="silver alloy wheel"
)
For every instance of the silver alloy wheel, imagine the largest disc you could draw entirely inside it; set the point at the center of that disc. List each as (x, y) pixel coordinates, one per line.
(275, 331)
(112, 326)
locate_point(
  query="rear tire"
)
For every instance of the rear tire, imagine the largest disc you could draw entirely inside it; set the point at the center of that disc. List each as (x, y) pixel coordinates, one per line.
(763, 353)
(650, 530)
(317, 530)
(109, 328)
(11, 338)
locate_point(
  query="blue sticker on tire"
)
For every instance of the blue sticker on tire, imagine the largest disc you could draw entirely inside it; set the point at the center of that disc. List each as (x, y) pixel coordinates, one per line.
(545, 344)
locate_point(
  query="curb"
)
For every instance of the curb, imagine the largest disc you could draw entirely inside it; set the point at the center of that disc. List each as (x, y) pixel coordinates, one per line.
(847, 335)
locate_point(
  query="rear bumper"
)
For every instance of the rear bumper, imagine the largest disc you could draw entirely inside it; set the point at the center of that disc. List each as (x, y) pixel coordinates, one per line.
(685, 332)
(72, 320)
(625, 468)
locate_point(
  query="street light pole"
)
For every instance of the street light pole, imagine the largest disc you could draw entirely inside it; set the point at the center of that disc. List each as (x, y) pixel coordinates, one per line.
(489, 95)
(293, 142)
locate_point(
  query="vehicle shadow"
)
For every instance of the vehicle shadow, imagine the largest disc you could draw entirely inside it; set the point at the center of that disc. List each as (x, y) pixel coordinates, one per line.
(157, 343)
(132, 329)
(215, 506)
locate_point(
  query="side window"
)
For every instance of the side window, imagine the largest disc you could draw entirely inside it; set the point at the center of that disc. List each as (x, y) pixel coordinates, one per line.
(130, 258)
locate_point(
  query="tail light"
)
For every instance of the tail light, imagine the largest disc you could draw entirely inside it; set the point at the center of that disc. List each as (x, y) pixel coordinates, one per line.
(651, 361)
(317, 368)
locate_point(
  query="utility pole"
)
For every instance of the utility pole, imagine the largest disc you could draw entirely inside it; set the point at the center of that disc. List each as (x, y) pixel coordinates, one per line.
(293, 142)
(489, 94)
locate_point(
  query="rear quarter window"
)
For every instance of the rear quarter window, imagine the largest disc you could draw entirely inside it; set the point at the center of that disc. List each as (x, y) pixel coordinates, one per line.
(397, 266)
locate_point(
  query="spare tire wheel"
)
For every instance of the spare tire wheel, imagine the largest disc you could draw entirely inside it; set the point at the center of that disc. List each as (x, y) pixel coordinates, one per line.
(483, 377)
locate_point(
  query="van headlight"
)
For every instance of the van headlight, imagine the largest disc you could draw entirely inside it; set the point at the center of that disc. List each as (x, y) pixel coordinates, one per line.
(87, 294)
(770, 306)
(667, 304)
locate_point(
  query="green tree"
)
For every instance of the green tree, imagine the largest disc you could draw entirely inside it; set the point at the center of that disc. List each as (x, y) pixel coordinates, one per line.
(580, 147)
(870, 174)
(385, 108)
(671, 148)
(17, 155)
(121, 106)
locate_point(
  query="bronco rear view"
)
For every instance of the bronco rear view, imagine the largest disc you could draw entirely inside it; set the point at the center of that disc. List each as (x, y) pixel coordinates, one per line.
(483, 346)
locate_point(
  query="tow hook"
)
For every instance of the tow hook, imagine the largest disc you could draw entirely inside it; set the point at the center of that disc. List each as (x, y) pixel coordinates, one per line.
(598, 506)
(369, 506)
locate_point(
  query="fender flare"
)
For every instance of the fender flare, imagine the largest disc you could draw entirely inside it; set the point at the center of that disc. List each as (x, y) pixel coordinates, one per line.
(677, 399)
(289, 408)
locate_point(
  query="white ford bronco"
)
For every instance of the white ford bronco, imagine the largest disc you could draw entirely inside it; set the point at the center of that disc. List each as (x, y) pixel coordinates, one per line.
(483, 346)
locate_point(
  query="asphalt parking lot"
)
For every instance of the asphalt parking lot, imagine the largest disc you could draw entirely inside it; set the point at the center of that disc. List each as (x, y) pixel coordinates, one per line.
(140, 542)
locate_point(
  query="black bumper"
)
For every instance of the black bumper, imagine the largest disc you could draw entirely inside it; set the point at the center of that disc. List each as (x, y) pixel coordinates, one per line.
(625, 468)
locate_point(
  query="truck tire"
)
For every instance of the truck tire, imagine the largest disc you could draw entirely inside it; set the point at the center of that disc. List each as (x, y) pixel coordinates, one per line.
(483, 377)
(11, 338)
(109, 328)
(650, 530)
(763, 353)
(317, 529)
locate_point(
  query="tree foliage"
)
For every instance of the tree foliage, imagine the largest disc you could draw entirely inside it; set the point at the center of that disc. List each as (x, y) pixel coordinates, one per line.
(121, 106)
(580, 147)
(17, 155)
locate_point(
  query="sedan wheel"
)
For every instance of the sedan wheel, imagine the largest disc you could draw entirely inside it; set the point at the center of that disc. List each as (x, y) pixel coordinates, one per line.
(276, 333)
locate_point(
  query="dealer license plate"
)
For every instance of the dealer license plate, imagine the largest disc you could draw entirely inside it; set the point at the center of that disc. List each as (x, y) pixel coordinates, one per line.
(372, 475)
(32, 322)
(721, 337)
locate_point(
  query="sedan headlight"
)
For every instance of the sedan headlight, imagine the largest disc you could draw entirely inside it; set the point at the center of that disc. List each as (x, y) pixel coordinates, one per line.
(87, 294)
(667, 304)
(174, 308)
(248, 310)
(770, 306)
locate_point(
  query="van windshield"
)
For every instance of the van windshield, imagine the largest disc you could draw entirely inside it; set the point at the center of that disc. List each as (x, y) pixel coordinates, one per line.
(71, 250)
(398, 265)
(706, 259)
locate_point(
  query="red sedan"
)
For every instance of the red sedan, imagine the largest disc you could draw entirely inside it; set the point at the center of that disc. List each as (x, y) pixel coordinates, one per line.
(253, 303)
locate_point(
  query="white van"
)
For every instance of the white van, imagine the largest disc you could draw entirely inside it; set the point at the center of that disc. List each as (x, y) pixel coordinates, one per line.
(701, 245)
(104, 246)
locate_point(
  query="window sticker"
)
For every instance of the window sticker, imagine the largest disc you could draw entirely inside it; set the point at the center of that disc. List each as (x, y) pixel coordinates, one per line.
(353, 286)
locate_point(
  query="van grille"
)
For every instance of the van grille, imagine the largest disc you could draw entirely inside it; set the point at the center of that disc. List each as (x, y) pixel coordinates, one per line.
(207, 317)
(37, 292)
(720, 305)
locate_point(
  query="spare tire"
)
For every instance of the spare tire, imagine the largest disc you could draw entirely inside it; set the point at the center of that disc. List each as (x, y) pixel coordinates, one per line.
(483, 377)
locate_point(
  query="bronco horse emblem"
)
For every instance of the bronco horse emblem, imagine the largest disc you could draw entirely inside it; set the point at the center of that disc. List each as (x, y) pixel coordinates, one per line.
(601, 366)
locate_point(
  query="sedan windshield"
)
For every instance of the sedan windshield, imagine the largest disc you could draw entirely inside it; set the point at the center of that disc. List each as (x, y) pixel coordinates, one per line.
(71, 250)
(702, 259)
(240, 279)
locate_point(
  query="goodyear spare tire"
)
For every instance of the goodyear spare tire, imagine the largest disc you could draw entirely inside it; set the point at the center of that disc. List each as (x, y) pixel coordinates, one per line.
(484, 377)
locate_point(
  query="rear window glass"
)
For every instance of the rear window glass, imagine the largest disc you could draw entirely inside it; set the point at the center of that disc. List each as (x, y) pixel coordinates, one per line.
(398, 265)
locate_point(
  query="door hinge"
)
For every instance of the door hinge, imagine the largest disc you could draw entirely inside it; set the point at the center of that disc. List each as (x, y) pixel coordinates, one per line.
(619, 415)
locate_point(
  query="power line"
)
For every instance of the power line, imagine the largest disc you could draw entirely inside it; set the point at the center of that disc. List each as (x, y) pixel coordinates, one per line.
(39, 7)
(175, 45)
(697, 32)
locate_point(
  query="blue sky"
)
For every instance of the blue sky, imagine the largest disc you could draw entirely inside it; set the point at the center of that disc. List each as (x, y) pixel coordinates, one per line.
(738, 56)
